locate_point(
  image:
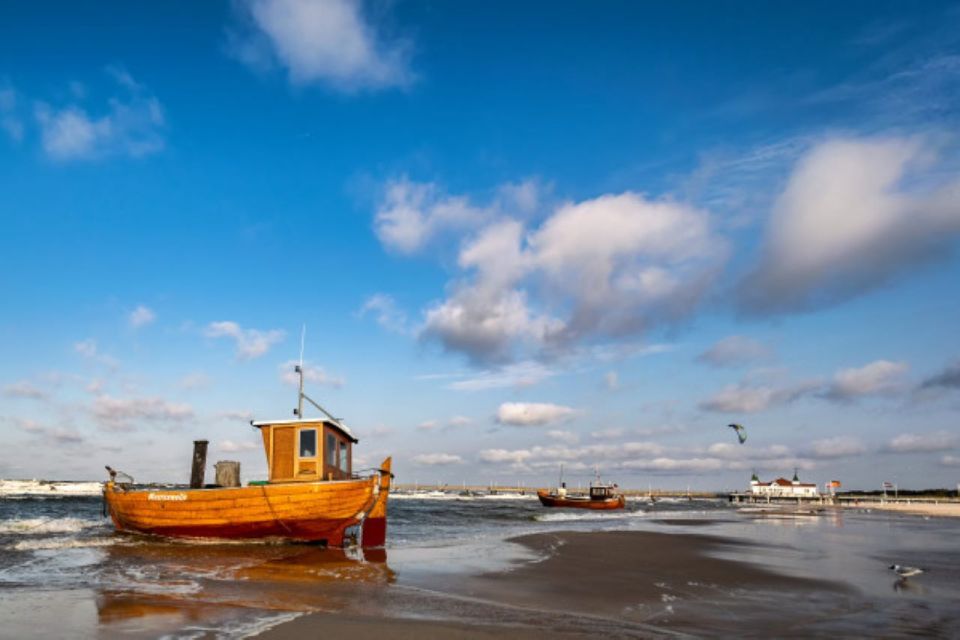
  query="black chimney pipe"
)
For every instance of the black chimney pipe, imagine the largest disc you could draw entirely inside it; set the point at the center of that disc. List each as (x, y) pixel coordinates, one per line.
(199, 462)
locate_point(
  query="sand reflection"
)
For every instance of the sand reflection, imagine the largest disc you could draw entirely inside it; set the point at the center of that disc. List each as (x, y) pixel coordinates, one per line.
(155, 586)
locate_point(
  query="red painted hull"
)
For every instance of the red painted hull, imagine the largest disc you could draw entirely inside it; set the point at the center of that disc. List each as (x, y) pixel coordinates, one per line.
(330, 532)
(553, 500)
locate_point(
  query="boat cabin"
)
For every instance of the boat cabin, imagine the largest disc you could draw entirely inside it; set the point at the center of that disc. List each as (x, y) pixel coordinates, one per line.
(307, 450)
(602, 491)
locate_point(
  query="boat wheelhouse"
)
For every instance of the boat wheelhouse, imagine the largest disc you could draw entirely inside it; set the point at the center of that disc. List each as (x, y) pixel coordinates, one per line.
(307, 450)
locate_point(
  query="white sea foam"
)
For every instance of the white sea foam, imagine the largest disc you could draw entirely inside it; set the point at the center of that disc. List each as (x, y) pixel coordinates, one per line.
(441, 495)
(567, 516)
(236, 628)
(49, 488)
(151, 580)
(46, 525)
(55, 566)
(59, 543)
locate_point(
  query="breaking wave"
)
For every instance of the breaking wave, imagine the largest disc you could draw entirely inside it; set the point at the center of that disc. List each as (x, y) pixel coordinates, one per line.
(49, 488)
(33, 526)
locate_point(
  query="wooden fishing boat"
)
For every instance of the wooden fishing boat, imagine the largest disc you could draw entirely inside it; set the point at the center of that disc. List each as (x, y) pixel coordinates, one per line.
(599, 500)
(312, 494)
(603, 496)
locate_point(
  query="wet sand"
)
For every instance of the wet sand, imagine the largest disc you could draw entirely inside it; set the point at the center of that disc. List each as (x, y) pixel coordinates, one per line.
(623, 583)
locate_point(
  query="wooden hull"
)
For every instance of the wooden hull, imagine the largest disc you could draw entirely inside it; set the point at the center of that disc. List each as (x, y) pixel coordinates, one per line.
(552, 500)
(300, 511)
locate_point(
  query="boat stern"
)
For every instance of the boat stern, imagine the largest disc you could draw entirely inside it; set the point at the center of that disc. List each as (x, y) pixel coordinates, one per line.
(373, 531)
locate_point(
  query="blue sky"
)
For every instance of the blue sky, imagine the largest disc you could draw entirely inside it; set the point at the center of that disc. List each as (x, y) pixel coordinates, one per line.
(517, 236)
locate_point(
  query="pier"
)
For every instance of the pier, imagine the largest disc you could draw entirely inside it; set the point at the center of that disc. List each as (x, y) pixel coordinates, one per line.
(453, 490)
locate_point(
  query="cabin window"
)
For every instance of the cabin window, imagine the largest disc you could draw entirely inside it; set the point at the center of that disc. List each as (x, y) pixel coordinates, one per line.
(308, 443)
(343, 456)
(331, 450)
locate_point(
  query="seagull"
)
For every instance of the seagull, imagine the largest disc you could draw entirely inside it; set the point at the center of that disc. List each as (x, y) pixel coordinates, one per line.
(905, 572)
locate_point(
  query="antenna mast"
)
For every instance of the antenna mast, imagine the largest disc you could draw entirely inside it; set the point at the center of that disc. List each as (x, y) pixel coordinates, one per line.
(299, 370)
(301, 396)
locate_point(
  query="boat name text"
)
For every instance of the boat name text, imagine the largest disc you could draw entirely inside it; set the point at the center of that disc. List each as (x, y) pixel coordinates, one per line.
(175, 497)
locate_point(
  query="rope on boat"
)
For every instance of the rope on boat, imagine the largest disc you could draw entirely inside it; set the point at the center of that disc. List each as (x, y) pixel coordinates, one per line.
(266, 497)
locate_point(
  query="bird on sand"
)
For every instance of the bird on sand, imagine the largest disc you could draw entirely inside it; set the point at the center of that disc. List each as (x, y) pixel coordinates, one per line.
(904, 572)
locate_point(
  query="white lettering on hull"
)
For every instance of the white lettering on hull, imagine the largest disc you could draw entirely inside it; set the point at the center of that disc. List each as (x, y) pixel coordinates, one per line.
(173, 497)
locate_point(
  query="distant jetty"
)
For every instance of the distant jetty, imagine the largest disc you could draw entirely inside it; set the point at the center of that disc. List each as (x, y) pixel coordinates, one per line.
(450, 490)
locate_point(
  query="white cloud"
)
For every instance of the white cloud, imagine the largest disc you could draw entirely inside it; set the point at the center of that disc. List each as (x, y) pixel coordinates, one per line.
(497, 456)
(89, 350)
(623, 261)
(731, 451)
(609, 267)
(950, 461)
(428, 425)
(388, 315)
(437, 459)
(678, 465)
(877, 378)
(244, 416)
(523, 197)
(838, 447)
(328, 42)
(118, 413)
(30, 426)
(486, 324)
(923, 442)
(312, 374)
(459, 421)
(743, 398)
(24, 389)
(517, 375)
(566, 437)
(60, 435)
(648, 456)
(229, 446)
(141, 316)
(854, 214)
(526, 414)
(412, 214)
(606, 434)
(131, 125)
(734, 351)
(251, 343)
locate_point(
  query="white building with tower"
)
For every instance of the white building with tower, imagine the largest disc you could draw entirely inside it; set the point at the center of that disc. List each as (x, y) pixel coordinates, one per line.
(783, 488)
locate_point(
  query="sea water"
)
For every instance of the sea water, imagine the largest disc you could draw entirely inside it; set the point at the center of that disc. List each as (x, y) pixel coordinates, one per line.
(65, 572)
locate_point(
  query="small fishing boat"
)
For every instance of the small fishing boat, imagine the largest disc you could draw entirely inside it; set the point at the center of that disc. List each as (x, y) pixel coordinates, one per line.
(312, 494)
(603, 496)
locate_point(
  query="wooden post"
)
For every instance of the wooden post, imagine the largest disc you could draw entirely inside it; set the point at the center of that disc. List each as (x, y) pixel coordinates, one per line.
(199, 462)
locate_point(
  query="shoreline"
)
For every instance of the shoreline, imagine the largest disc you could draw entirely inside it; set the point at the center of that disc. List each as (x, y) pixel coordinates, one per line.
(622, 583)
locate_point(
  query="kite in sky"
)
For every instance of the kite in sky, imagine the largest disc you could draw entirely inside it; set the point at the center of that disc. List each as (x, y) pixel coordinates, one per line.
(741, 432)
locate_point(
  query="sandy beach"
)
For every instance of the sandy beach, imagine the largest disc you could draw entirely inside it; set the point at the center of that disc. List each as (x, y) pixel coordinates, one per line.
(940, 509)
(626, 583)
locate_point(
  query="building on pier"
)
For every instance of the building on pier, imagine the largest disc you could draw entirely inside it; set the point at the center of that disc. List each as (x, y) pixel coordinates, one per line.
(783, 488)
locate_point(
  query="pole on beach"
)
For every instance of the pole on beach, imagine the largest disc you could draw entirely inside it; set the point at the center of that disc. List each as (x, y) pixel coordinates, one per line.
(199, 463)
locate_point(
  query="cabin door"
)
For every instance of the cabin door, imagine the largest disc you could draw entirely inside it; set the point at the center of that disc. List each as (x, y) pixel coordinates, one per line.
(284, 439)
